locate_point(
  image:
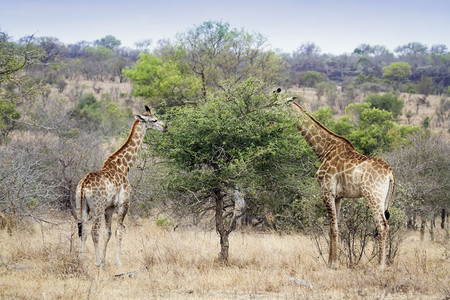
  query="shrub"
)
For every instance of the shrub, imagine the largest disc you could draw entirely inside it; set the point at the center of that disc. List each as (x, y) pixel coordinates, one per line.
(164, 222)
(388, 102)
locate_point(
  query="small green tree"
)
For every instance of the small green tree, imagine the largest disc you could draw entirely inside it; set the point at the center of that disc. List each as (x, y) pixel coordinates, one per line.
(216, 146)
(14, 84)
(425, 86)
(109, 42)
(387, 101)
(368, 128)
(105, 114)
(311, 78)
(397, 72)
(165, 82)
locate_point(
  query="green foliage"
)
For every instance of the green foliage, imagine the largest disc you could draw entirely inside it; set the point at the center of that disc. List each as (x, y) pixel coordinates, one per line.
(164, 222)
(375, 131)
(397, 71)
(369, 129)
(104, 114)
(9, 114)
(14, 84)
(344, 126)
(108, 41)
(425, 85)
(387, 102)
(356, 109)
(311, 78)
(324, 115)
(89, 108)
(426, 122)
(166, 82)
(228, 140)
(100, 52)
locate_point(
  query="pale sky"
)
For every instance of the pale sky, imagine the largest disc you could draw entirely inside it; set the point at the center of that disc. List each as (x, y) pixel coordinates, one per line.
(337, 27)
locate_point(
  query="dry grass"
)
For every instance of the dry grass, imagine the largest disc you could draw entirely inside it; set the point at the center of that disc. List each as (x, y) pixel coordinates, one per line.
(43, 263)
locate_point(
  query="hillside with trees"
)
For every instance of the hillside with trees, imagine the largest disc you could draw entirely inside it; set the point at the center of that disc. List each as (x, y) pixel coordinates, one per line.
(64, 108)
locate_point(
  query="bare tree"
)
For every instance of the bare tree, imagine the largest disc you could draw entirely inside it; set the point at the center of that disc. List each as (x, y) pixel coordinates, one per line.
(422, 166)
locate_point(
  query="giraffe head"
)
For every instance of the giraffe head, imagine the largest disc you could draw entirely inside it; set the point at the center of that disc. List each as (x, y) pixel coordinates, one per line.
(149, 121)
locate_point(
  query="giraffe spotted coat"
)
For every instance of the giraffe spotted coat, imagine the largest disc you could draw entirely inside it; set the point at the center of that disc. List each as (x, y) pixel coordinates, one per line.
(345, 173)
(104, 191)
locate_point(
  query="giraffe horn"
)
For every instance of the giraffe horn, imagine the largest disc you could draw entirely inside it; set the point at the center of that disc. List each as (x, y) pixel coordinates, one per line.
(147, 109)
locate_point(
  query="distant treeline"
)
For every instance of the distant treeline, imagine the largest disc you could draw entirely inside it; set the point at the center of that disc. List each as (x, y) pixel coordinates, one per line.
(364, 68)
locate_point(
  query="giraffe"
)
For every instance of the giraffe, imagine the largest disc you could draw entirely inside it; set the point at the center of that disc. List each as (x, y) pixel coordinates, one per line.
(345, 173)
(104, 191)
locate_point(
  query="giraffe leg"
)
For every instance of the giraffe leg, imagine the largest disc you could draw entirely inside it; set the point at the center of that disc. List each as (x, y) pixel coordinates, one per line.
(122, 211)
(96, 222)
(107, 232)
(330, 204)
(84, 224)
(338, 208)
(382, 225)
(383, 229)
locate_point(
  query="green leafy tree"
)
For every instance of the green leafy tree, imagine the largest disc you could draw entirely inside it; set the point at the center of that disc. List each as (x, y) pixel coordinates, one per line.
(104, 115)
(387, 101)
(165, 82)
(109, 42)
(425, 85)
(14, 84)
(311, 78)
(220, 144)
(368, 128)
(397, 72)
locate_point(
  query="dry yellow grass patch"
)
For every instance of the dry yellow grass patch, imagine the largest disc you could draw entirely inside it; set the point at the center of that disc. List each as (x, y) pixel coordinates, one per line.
(43, 263)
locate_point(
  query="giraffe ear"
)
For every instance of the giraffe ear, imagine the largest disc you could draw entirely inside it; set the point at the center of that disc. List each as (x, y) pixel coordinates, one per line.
(147, 109)
(139, 118)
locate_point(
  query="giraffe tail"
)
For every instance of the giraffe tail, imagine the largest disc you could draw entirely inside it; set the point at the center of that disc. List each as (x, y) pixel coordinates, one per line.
(80, 229)
(79, 199)
(389, 196)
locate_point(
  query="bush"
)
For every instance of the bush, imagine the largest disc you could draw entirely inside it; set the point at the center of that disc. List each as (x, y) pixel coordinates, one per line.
(358, 238)
(164, 222)
(388, 102)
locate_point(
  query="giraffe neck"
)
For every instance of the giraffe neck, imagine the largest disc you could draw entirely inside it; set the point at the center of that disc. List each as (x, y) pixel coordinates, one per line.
(126, 155)
(321, 139)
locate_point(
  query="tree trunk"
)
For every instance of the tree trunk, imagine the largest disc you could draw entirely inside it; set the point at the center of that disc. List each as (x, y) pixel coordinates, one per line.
(222, 227)
(414, 220)
(422, 226)
(410, 225)
(239, 203)
(432, 225)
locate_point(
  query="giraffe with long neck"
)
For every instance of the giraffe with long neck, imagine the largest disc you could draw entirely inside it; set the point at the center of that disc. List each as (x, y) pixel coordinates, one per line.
(345, 173)
(104, 191)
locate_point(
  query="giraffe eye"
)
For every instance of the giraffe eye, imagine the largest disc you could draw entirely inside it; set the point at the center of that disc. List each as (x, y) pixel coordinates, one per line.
(155, 120)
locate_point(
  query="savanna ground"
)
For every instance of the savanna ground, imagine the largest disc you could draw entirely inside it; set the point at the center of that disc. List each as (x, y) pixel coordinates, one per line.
(41, 261)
